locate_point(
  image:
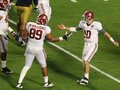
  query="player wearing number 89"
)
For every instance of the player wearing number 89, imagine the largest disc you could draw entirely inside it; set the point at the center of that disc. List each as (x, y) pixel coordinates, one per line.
(38, 32)
(91, 29)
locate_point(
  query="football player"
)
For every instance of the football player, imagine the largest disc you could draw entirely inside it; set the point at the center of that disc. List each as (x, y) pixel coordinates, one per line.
(24, 8)
(44, 8)
(38, 32)
(91, 29)
(4, 4)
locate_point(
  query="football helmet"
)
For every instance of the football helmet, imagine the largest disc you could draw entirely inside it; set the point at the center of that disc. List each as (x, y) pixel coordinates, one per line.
(88, 15)
(42, 19)
(4, 4)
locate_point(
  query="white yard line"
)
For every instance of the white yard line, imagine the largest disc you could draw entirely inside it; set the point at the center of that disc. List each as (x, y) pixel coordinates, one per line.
(73, 1)
(77, 58)
(105, 0)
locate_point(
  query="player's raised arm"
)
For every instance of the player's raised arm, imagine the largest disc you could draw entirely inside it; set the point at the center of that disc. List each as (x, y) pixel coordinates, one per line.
(72, 29)
(49, 37)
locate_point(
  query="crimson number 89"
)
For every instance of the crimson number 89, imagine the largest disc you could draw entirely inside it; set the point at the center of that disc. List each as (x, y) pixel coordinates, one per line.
(35, 34)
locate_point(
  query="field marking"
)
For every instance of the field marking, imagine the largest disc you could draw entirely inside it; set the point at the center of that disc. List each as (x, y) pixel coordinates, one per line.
(105, 0)
(73, 1)
(77, 58)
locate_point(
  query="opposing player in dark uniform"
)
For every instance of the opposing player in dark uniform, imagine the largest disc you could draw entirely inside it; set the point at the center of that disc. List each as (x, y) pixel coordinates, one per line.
(24, 9)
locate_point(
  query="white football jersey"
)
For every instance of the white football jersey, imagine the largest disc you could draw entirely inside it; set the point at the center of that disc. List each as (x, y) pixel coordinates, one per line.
(4, 21)
(37, 34)
(91, 31)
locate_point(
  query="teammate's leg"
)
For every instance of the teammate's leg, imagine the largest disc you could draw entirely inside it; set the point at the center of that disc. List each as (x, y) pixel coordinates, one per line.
(3, 49)
(88, 52)
(28, 62)
(41, 57)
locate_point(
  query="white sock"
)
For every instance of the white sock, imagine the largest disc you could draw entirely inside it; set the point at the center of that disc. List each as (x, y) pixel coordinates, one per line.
(86, 75)
(23, 73)
(45, 79)
(3, 63)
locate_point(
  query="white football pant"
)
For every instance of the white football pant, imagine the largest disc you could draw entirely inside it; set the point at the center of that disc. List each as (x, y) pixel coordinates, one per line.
(32, 53)
(89, 50)
(45, 9)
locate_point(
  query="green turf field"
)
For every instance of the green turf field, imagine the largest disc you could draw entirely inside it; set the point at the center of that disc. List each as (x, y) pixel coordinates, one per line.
(65, 69)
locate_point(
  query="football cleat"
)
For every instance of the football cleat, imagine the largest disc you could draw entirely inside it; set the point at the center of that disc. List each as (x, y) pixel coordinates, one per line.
(19, 85)
(48, 84)
(6, 70)
(83, 81)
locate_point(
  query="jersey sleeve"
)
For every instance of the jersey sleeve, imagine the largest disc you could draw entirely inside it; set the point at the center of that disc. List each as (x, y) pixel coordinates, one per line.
(99, 26)
(48, 30)
(81, 23)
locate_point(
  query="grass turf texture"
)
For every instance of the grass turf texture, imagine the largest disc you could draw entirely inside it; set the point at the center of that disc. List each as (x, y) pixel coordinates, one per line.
(63, 69)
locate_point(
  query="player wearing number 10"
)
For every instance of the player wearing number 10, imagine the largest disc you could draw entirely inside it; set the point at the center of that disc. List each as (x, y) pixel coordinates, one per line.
(91, 29)
(38, 32)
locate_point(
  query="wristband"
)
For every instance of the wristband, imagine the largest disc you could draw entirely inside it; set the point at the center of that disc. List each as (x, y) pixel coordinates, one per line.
(10, 29)
(60, 38)
(72, 29)
(111, 39)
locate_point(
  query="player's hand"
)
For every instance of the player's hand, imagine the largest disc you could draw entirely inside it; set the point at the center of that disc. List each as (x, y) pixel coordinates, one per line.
(67, 35)
(24, 34)
(62, 26)
(13, 34)
(116, 44)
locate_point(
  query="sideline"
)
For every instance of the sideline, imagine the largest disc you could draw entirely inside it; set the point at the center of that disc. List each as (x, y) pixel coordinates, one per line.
(77, 58)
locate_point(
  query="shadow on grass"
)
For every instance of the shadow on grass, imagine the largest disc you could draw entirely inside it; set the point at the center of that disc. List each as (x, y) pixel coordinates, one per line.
(67, 74)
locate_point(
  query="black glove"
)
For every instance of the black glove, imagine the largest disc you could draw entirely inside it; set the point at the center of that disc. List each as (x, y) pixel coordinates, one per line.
(67, 34)
(65, 37)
